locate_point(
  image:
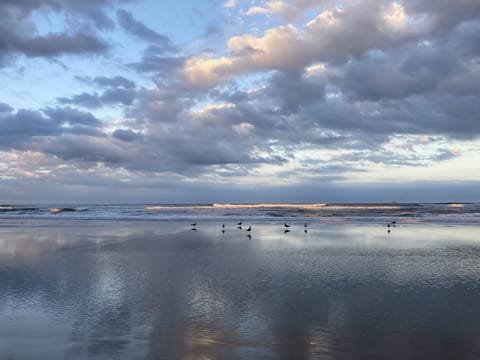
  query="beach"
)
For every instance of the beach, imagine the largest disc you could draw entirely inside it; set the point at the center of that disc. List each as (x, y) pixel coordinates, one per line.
(83, 289)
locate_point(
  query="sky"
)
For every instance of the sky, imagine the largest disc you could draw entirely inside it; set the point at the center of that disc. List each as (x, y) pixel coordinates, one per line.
(142, 101)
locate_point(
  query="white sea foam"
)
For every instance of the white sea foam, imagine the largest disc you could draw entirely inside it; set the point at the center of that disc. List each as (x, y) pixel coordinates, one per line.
(269, 205)
(456, 205)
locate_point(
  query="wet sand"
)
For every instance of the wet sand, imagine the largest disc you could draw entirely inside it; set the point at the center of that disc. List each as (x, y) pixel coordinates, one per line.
(159, 290)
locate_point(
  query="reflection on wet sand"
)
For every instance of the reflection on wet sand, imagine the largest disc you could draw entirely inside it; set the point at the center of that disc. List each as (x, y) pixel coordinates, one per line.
(340, 292)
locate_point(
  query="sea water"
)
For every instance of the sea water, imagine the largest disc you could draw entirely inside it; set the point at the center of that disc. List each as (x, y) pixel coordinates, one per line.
(464, 213)
(77, 288)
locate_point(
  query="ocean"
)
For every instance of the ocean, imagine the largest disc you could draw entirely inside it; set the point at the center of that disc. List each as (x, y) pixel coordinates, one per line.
(454, 213)
(360, 281)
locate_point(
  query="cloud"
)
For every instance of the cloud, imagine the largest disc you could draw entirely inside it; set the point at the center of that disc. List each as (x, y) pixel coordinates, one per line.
(72, 117)
(55, 44)
(230, 4)
(28, 130)
(164, 66)
(138, 29)
(329, 37)
(127, 135)
(116, 82)
(84, 99)
(19, 33)
(290, 11)
(350, 91)
(119, 90)
(5, 108)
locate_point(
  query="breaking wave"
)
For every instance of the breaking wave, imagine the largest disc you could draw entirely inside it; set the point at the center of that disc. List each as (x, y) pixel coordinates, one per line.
(367, 212)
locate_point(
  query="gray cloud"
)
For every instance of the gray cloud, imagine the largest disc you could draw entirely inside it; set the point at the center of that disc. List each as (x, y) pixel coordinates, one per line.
(5, 108)
(127, 135)
(28, 130)
(87, 100)
(138, 29)
(72, 117)
(59, 43)
(348, 83)
(119, 90)
(161, 65)
(18, 31)
(108, 97)
(117, 81)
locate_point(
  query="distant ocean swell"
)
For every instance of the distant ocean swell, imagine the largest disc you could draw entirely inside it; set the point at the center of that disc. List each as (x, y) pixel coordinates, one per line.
(371, 212)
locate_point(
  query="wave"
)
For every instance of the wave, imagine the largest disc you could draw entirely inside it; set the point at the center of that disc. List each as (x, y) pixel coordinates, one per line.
(65, 209)
(173, 207)
(13, 208)
(269, 205)
(294, 206)
(340, 212)
(456, 205)
(364, 207)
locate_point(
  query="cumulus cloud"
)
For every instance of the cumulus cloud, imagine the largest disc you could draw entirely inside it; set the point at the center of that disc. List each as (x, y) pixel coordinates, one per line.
(374, 83)
(290, 11)
(19, 33)
(117, 90)
(28, 130)
(335, 35)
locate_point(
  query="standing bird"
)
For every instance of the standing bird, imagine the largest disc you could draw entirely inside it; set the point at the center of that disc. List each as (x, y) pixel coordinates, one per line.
(249, 229)
(239, 224)
(286, 225)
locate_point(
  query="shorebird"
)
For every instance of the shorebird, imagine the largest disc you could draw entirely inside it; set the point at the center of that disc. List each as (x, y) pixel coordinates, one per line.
(286, 231)
(305, 226)
(249, 229)
(194, 224)
(286, 225)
